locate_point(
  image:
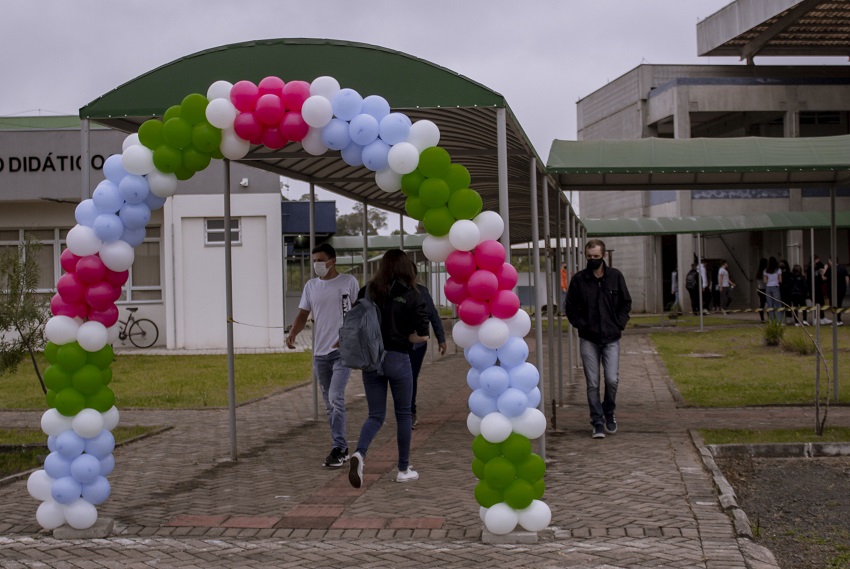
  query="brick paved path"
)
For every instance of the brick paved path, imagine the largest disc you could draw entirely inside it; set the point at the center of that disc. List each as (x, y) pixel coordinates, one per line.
(640, 498)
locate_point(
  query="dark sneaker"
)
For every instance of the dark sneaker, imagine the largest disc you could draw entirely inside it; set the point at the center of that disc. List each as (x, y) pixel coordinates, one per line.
(598, 432)
(336, 458)
(611, 426)
(413, 421)
(355, 472)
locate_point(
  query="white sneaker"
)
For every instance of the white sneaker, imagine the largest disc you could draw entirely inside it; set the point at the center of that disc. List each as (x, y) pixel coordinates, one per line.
(408, 475)
(825, 321)
(355, 472)
(806, 323)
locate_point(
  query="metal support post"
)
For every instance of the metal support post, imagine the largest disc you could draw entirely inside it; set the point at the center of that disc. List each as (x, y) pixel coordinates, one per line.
(312, 221)
(502, 163)
(228, 299)
(538, 320)
(550, 316)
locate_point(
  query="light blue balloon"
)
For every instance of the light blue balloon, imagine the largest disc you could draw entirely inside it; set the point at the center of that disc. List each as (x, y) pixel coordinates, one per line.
(107, 198)
(107, 465)
(534, 398)
(480, 357)
(512, 403)
(66, 490)
(346, 105)
(395, 128)
(376, 155)
(135, 215)
(70, 445)
(108, 227)
(494, 380)
(376, 106)
(133, 237)
(154, 202)
(51, 443)
(335, 134)
(513, 352)
(86, 213)
(524, 377)
(96, 492)
(113, 169)
(482, 404)
(473, 378)
(133, 188)
(56, 466)
(85, 468)
(352, 154)
(363, 129)
(101, 445)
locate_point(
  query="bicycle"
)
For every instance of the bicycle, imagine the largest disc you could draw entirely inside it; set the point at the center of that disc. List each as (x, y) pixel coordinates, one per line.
(142, 333)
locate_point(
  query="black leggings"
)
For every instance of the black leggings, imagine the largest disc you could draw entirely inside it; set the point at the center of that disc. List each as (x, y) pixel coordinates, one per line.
(762, 302)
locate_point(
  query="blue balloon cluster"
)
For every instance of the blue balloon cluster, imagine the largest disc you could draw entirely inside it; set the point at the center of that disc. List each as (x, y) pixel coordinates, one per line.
(79, 466)
(120, 206)
(509, 387)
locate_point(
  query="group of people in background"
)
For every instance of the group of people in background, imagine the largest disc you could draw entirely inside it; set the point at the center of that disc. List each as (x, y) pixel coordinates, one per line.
(786, 292)
(716, 285)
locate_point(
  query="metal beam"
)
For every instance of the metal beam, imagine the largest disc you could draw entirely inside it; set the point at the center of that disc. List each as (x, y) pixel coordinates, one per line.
(754, 46)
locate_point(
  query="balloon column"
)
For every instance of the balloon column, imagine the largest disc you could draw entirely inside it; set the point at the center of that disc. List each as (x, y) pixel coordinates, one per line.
(320, 116)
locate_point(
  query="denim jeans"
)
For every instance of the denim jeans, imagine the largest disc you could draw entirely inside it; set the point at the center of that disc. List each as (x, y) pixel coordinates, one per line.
(397, 375)
(333, 378)
(608, 355)
(773, 301)
(417, 356)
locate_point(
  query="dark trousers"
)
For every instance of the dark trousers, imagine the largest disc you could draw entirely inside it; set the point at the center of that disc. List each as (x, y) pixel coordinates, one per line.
(417, 356)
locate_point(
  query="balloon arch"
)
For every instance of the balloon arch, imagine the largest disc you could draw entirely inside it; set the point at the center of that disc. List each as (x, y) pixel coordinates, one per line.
(405, 157)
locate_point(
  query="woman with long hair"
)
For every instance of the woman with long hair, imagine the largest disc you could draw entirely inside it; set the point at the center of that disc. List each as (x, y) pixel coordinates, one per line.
(404, 321)
(760, 287)
(772, 284)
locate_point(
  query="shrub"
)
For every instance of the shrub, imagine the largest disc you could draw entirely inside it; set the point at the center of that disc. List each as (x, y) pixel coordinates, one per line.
(799, 344)
(773, 332)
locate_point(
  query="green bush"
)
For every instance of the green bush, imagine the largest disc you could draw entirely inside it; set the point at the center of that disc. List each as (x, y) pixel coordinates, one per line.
(773, 332)
(798, 344)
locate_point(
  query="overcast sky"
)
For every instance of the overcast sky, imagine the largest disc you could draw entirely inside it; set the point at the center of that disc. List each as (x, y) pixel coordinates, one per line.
(542, 55)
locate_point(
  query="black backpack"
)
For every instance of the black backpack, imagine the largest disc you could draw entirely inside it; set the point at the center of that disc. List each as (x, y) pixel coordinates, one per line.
(691, 279)
(361, 345)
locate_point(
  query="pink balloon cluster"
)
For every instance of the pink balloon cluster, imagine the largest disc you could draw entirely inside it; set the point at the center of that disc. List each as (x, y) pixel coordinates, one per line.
(481, 282)
(270, 111)
(88, 289)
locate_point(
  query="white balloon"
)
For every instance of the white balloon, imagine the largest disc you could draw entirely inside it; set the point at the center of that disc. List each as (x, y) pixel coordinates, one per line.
(403, 157)
(61, 330)
(118, 255)
(312, 143)
(519, 324)
(437, 249)
(112, 334)
(88, 423)
(161, 184)
(317, 111)
(130, 140)
(464, 235)
(110, 418)
(473, 423)
(496, 428)
(501, 519)
(219, 90)
(388, 180)
(54, 423)
(494, 333)
(233, 147)
(80, 514)
(39, 485)
(465, 335)
(531, 424)
(490, 224)
(324, 86)
(82, 241)
(92, 336)
(424, 134)
(536, 517)
(50, 515)
(138, 159)
(221, 113)
(482, 511)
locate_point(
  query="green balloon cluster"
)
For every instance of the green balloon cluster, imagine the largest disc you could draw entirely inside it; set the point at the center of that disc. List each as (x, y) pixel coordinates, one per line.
(183, 142)
(438, 192)
(508, 472)
(77, 379)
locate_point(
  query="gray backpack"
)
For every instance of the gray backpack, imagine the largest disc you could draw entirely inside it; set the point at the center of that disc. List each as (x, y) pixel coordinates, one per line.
(361, 345)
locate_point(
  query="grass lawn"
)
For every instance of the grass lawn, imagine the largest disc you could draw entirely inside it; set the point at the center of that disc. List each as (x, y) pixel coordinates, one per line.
(744, 436)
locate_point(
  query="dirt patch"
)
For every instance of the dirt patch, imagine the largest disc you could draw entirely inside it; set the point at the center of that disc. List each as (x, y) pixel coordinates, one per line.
(798, 507)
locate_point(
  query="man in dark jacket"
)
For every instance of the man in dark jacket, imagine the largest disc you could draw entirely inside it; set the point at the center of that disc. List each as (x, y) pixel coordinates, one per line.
(598, 305)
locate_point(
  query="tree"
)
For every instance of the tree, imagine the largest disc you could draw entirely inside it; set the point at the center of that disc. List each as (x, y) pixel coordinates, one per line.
(352, 223)
(23, 312)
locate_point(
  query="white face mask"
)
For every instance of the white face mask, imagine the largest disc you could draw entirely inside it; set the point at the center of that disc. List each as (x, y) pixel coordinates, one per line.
(321, 268)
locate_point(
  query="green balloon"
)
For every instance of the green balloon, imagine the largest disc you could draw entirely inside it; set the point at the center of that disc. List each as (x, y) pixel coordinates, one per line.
(458, 177)
(217, 154)
(500, 472)
(69, 402)
(87, 380)
(177, 132)
(538, 488)
(531, 469)
(438, 221)
(56, 378)
(102, 358)
(206, 138)
(50, 350)
(51, 398)
(478, 467)
(71, 357)
(465, 203)
(106, 376)
(410, 183)
(195, 160)
(486, 495)
(172, 112)
(167, 159)
(183, 173)
(193, 108)
(434, 192)
(435, 162)
(101, 401)
(414, 208)
(516, 448)
(519, 495)
(485, 450)
(150, 134)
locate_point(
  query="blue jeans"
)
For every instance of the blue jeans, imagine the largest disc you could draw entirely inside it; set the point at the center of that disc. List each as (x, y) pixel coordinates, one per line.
(397, 375)
(417, 356)
(333, 378)
(773, 301)
(608, 355)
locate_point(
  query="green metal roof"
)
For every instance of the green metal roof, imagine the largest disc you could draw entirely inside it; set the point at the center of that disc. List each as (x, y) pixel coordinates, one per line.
(345, 243)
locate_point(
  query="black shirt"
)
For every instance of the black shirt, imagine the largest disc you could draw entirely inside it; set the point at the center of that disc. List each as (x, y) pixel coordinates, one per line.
(403, 312)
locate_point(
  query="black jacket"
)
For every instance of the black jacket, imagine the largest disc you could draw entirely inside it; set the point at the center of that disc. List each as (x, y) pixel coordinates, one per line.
(598, 308)
(403, 312)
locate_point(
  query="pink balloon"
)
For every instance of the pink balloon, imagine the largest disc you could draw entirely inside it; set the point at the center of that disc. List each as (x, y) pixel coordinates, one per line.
(507, 276)
(272, 138)
(116, 292)
(244, 96)
(68, 261)
(504, 304)
(455, 290)
(247, 127)
(473, 312)
(116, 279)
(482, 285)
(293, 126)
(294, 95)
(460, 264)
(490, 255)
(106, 317)
(71, 288)
(90, 269)
(269, 110)
(72, 309)
(99, 296)
(271, 86)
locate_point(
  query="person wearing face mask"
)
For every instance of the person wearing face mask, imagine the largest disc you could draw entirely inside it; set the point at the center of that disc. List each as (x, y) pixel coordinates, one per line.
(598, 306)
(329, 297)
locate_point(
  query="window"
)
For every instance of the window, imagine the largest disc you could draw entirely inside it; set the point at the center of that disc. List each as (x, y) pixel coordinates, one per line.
(214, 231)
